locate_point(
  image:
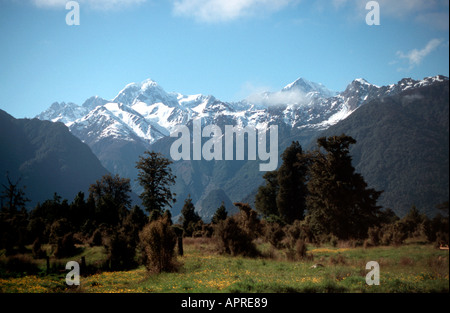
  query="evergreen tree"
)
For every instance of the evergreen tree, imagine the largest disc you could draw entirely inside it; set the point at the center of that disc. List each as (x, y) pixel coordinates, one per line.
(339, 201)
(189, 216)
(156, 177)
(220, 214)
(291, 177)
(412, 220)
(78, 211)
(266, 198)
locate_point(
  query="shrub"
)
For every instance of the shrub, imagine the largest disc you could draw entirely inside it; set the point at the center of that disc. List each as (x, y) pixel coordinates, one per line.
(121, 251)
(393, 234)
(58, 230)
(19, 264)
(334, 241)
(296, 250)
(436, 230)
(200, 229)
(274, 234)
(232, 239)
(374, 235)
(367, 244)
(247, 219)
(157, 242)
(295, 232)
(65, 247)
(36, 249)
(441, 238)
(300, 249)
(96, 239)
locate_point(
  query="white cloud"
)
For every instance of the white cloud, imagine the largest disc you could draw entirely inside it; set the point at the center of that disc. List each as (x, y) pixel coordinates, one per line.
(225, 10)
(250, 89)
(293, 96)
(415, 56)
(94, 4)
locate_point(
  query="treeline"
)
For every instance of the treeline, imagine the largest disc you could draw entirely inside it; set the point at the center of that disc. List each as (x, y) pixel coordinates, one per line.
(320, 193)
(314, 197)
(104, 217)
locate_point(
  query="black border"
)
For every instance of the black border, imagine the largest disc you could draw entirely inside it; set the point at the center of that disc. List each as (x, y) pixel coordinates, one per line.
(171, 302)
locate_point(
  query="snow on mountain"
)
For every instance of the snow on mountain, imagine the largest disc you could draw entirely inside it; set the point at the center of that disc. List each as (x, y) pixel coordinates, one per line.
(148, 92)
(63, 112)
(143, 115)
(116, 121)
(93, 102)
(145, 112)
(307, 87)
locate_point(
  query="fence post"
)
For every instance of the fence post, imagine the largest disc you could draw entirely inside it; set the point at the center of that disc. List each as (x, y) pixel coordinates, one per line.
(83, 264)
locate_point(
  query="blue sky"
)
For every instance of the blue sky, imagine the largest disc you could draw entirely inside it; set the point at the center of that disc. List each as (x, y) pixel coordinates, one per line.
(226, 48)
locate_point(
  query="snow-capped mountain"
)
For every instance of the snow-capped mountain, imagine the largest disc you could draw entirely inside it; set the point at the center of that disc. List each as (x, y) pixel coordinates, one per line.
(309, 88)
(63, 112)
(142, 114)
(145, 112)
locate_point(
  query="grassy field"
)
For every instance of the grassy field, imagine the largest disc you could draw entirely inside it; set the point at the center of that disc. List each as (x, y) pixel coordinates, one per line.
(410, 268)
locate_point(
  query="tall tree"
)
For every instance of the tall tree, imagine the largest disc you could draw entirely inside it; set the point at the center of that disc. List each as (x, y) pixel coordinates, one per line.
(189, 216)
(266, 198)
(339, 201)
(112, 199)
(291, 177)
(156, 177)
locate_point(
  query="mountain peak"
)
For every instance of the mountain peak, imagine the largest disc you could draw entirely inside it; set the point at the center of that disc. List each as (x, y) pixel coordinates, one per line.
(149, 86)
(305, 86)
(299, 81)
(362, 81)
(148, 83)
(93, 102)
(360, 84)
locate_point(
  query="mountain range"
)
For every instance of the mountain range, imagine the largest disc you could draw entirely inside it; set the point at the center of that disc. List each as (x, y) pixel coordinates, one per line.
(45, 158)
(143, 115)
(403, 146)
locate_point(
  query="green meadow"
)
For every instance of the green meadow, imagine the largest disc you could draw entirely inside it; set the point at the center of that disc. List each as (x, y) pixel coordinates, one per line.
(410, 268)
